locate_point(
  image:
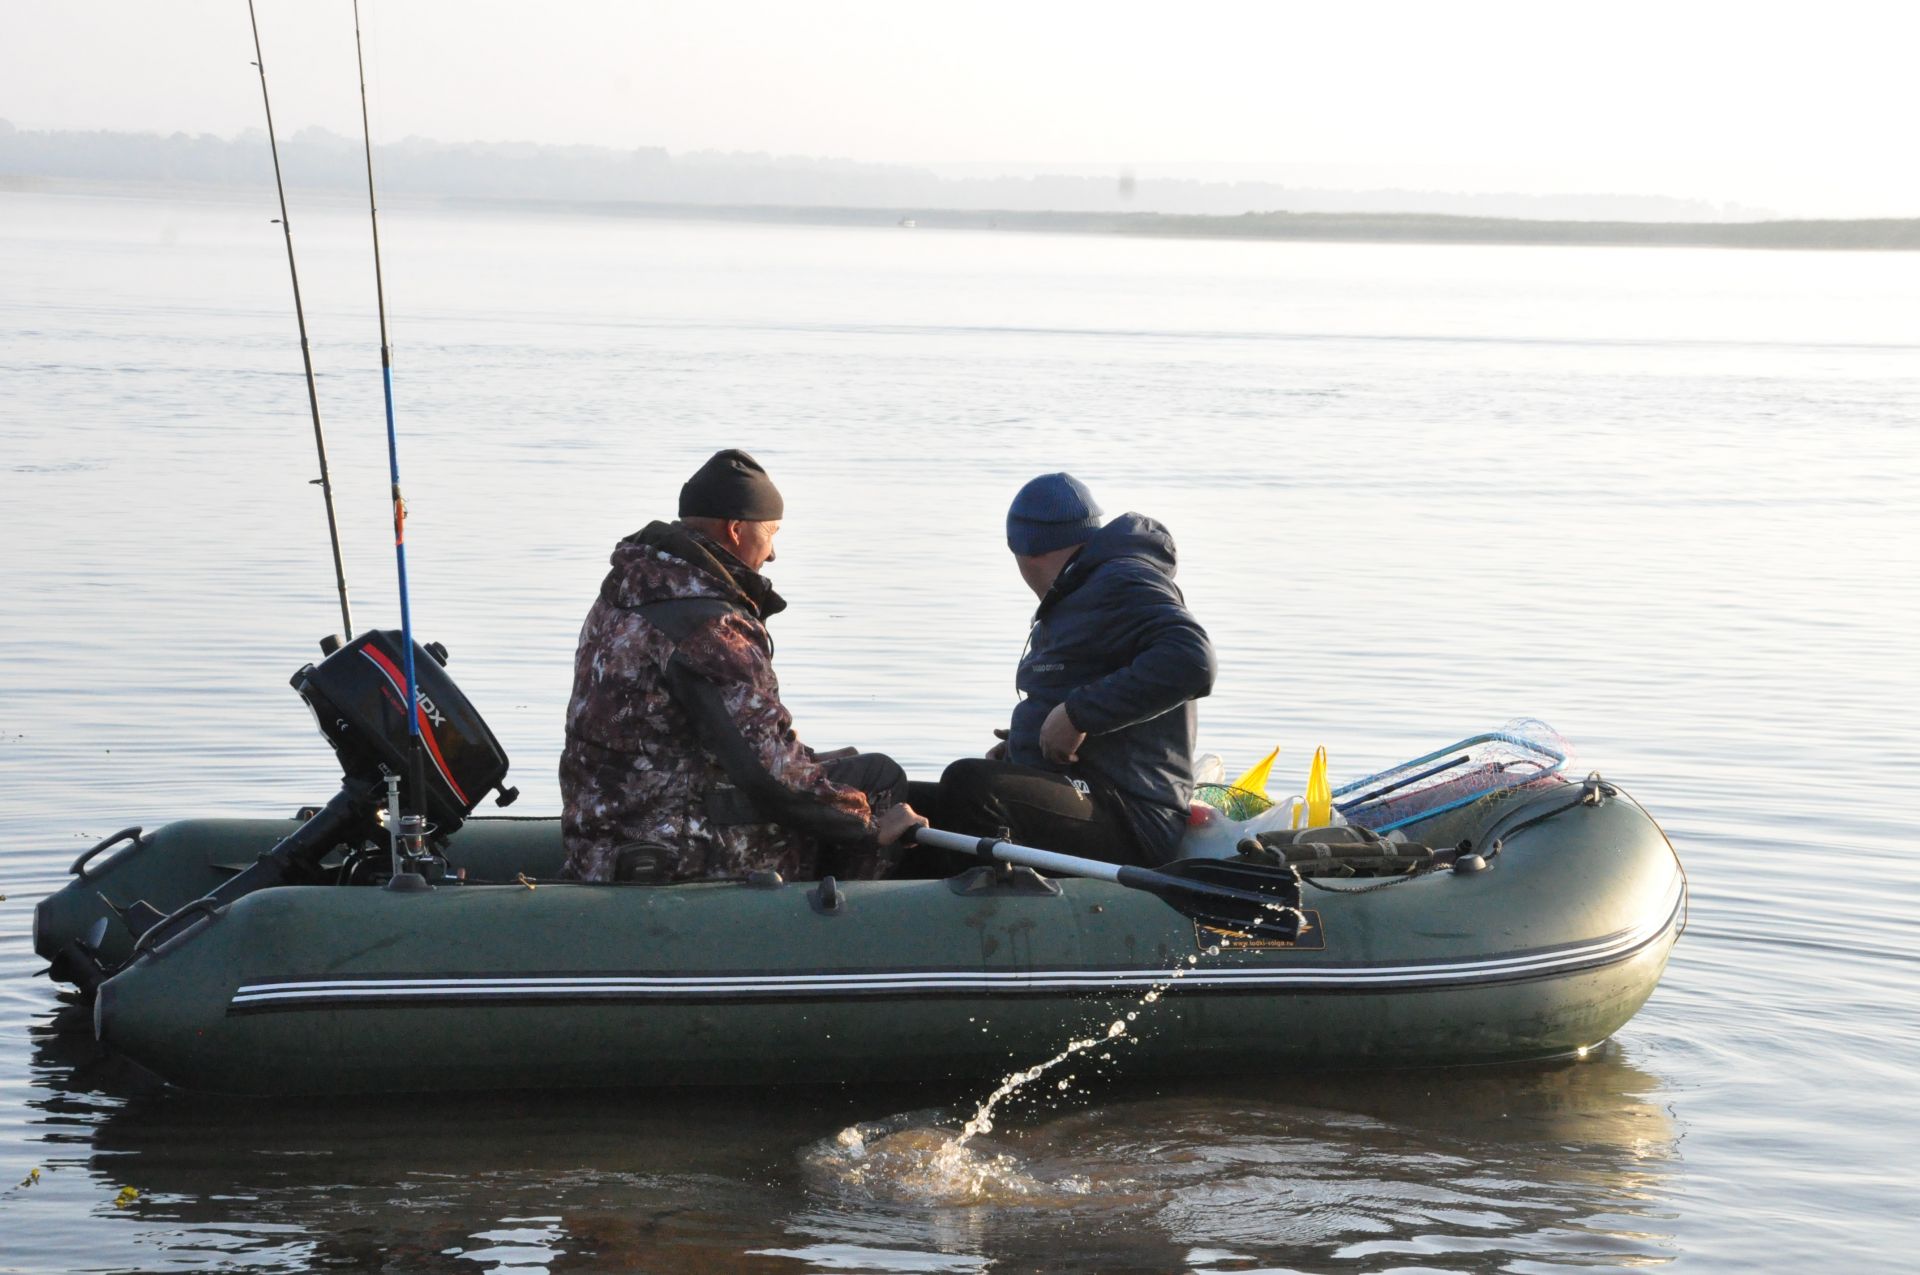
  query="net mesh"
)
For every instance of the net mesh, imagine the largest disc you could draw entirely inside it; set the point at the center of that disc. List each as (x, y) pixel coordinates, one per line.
(1235, 803)
(1522, 755)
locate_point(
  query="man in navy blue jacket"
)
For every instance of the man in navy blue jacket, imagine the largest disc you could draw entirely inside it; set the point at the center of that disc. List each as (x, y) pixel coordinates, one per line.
(1098, 760)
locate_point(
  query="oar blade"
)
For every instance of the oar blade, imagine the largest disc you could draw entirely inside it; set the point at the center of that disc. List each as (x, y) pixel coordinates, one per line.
(1228, 894)
(1247, 875)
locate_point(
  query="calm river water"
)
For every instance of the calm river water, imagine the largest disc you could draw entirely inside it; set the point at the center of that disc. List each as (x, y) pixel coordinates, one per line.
(1663, 499)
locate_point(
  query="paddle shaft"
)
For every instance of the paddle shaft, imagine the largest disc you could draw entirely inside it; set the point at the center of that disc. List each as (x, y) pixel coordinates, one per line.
(1227, 895)
(1025, 856)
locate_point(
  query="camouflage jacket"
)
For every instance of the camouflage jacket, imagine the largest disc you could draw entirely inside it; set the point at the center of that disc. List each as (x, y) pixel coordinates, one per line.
(680, 762)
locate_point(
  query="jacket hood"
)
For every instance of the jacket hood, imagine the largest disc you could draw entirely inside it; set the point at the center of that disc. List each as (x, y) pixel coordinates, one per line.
(670, 560)
(1128, 536)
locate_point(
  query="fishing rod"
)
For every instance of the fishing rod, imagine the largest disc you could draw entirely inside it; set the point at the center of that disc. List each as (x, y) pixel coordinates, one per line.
(325, 481)
(418, 788)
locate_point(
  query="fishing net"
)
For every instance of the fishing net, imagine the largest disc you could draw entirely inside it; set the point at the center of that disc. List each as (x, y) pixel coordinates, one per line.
(1235, 803)
(1521, 756)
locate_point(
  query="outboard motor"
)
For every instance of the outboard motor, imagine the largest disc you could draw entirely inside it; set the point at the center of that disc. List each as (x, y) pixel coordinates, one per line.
(358, 696)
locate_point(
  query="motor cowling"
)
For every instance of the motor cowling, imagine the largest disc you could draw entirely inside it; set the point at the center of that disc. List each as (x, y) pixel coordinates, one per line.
(358, 695)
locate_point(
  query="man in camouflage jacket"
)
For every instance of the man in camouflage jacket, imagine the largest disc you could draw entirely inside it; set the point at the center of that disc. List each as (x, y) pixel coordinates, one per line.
(681, 763)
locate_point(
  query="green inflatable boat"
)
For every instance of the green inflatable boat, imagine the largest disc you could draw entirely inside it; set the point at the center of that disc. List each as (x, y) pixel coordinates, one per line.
(320, 954)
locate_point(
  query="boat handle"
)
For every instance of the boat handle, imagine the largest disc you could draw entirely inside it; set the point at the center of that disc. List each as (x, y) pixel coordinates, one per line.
(188, 921)
(125, 834)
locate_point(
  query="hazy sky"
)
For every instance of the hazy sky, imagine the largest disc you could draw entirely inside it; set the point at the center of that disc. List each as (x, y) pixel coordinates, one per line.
(1804, 108)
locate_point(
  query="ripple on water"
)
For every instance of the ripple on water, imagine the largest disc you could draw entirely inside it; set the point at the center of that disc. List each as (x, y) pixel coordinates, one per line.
(1559, 1166)
(62, 467)
(905, 1160)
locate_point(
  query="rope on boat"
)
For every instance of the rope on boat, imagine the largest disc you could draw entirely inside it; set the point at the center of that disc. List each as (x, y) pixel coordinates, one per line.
(1593, 791)
(1686, 885)
(1324, 888)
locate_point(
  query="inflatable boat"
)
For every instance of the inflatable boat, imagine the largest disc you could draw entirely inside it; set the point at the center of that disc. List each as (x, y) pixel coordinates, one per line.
(355, 947)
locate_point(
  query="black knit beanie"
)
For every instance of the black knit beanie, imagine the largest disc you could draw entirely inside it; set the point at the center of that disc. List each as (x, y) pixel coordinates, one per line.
(731, 485)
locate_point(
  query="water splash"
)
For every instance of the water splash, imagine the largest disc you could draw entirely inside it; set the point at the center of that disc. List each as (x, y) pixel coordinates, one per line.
(982, 1121)
(1120, 1030)
(934, 1165)
(902, 1159)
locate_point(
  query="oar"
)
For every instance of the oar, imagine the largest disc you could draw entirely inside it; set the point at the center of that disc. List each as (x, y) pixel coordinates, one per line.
(1227, 894)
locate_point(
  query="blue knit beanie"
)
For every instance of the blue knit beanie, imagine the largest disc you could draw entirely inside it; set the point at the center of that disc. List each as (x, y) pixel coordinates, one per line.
(1051, 512)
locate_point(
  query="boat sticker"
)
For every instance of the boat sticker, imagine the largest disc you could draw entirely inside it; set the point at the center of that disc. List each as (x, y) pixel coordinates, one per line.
(422, 708)
(1310, 939)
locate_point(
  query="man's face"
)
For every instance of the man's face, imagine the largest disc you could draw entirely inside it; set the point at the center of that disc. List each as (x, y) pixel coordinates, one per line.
(754, 545)
(1038, 572)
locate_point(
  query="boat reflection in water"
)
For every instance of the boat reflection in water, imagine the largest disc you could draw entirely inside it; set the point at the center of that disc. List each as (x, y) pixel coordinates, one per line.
(1465, 1169)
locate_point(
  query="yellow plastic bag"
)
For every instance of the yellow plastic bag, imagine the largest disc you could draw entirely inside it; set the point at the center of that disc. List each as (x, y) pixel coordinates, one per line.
(1255, 780)
(1319, 803)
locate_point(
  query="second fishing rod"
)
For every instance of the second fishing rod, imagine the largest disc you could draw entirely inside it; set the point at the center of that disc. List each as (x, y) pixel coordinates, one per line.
(325, 481)
(411, 824)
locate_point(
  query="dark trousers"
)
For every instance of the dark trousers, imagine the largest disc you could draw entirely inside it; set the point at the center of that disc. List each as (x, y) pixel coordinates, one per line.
(885, 784)
(875, 774)
(1037, 808)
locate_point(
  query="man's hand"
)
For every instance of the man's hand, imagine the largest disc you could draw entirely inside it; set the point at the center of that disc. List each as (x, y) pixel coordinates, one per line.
(893, 825)
(999, 751)
(1060, 739)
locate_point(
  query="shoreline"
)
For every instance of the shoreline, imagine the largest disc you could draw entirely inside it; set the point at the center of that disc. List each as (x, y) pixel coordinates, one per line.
(1800, 234)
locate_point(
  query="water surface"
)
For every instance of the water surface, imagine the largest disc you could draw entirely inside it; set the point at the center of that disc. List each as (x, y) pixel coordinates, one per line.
(1659, 498)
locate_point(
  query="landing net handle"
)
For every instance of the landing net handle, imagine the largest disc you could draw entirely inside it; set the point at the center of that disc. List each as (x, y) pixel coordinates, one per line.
(1451, 764)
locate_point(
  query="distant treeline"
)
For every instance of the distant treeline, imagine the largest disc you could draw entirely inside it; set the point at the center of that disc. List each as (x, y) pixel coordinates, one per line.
(649, 182)
(1434, 228)
(1358, 227)
(314, 158)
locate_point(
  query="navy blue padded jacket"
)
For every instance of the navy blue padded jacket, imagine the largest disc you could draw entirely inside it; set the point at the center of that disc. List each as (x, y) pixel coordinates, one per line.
(1114, 641)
